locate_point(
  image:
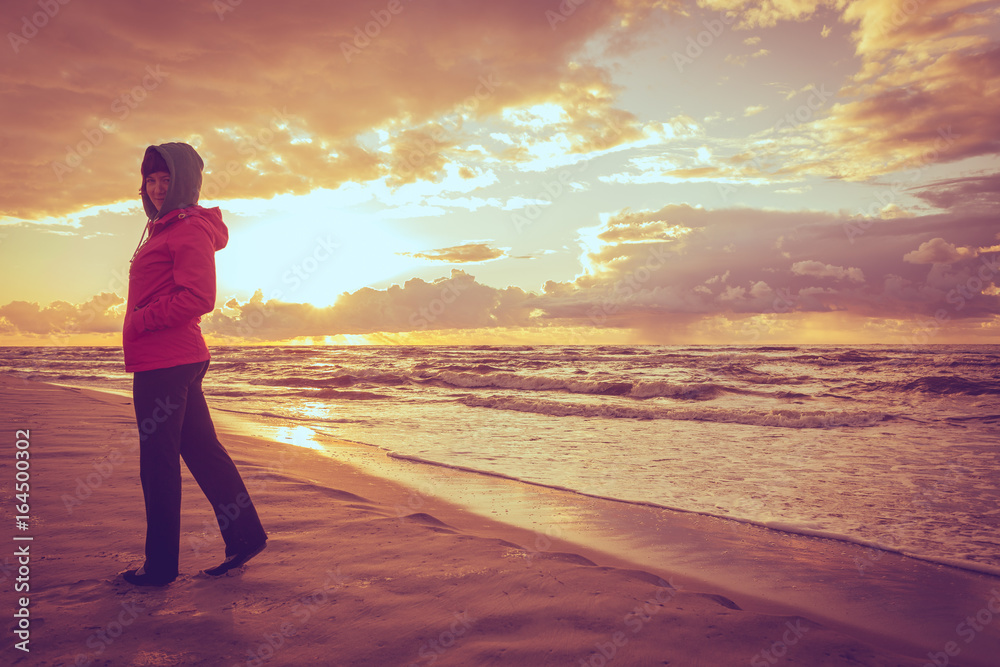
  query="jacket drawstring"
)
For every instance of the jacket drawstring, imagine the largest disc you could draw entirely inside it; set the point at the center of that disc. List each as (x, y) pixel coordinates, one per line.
(142, 240)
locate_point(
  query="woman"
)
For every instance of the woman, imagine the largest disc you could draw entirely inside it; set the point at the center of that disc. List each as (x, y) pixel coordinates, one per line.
(171, 284)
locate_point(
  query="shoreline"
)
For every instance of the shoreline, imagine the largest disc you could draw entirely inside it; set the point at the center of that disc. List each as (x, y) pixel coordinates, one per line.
(879, 600)
(968, 566)
(243, 422)
(381, 505)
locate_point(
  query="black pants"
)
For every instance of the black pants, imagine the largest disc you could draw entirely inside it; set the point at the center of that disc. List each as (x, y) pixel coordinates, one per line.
(174, 423)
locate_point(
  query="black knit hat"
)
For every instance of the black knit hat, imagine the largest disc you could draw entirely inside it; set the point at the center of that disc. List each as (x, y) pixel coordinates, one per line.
(153, 162)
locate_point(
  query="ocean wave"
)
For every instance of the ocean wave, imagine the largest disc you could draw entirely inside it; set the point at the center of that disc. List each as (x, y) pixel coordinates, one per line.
(342, 394)
(858, 356)
(697, 391)
(357, 376)
(636, 389)
(288, 382)
(984, 360)
(951, 384)
(776, 379)
(79, 365)
(536, 364)
(233, 365)
(413, 351)
(775, 418)
(986, 419)
(229, 393)
(752, 376)
(479, 368)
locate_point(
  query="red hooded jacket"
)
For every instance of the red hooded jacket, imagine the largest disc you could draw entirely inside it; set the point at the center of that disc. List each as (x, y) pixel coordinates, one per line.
(172, 279)
(170, 286)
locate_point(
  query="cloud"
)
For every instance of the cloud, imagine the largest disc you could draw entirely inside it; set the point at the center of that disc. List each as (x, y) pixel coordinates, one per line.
(938, 251)
(821, 270)
(577, 120)
(969, 192)
(742, 60)
(767, 14)
(461, 254)
(741, 262)
(60, 320)
(924, 93)
(419, 154)
(731, 293)
(456, 302)
(892, 210)
(282, 97)
(666, 275)
(633, 227)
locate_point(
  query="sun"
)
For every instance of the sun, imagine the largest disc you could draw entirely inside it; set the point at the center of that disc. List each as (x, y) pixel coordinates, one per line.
(309, 250)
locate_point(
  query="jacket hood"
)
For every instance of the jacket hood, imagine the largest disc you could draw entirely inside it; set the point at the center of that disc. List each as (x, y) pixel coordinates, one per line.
(185, 178)
(208, 219)
(213, 224)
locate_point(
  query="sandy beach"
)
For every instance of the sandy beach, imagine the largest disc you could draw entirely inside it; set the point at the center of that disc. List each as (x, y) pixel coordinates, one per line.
(354, 572)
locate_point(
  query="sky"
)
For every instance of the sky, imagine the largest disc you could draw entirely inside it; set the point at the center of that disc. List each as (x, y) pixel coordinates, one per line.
(523, 172)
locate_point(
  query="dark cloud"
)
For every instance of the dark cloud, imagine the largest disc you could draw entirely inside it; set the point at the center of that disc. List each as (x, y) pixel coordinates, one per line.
(276, 96)
(968, 192)
(743, 261)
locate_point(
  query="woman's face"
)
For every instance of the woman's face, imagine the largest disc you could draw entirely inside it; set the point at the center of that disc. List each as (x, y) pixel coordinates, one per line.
(156, 187)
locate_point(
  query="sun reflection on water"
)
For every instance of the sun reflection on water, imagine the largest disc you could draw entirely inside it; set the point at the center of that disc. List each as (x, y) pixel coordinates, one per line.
(300, 436)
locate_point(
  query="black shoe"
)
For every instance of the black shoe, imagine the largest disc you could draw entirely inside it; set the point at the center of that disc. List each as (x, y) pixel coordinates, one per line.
(141, 578)
(235, 561)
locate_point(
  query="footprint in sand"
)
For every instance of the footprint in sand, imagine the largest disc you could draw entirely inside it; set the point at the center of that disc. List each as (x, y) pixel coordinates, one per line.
(83, 591)
(160, 659)
(430, 522)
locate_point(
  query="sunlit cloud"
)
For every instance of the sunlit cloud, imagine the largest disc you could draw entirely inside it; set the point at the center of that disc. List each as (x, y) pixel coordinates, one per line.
(938, 251)
(296, 124)
(462, 254)
(819, 269)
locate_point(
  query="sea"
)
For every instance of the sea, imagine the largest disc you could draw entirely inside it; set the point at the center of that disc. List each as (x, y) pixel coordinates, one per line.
(892, 447)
